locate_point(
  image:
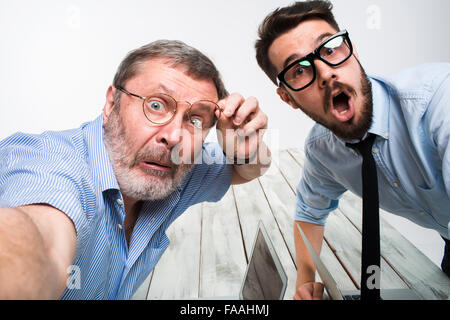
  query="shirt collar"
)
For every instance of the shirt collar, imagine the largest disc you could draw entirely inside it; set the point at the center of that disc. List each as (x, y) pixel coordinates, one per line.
(381, 109)
(380, 112)
(98, 156)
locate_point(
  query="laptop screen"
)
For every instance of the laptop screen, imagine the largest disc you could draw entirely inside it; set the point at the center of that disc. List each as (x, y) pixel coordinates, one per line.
(263, 280)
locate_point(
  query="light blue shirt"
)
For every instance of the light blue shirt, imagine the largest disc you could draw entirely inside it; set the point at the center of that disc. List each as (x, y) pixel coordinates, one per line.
(70, 170)
(411, 121)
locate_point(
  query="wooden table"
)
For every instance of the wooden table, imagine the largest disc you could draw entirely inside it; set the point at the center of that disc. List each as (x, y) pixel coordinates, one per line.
(211, 243)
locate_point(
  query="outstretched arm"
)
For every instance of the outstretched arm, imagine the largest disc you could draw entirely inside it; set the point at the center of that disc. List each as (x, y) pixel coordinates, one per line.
(306, 287)
(37, 245)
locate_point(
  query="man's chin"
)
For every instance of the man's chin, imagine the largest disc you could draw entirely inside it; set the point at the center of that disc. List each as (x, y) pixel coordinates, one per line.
(350, 130)
(151, 185)
(147, 189)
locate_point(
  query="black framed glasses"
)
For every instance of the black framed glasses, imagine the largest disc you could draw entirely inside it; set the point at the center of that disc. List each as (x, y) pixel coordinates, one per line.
(160, 108)
(302, 72)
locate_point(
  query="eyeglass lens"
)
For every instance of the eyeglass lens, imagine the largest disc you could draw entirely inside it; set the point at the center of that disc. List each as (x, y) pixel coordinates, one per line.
(160, 108)
(334, 51)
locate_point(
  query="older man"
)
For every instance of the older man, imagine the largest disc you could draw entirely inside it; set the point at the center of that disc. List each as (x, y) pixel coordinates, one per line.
(95, 201)
(316, 69)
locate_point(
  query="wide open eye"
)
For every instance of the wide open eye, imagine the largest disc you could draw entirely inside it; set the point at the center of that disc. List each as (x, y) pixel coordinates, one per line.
(300, 69)
(334, 43)
(335, 50)
(196, 122)
(159, 108)
(156, 106)
(299, 74)
(202, 114)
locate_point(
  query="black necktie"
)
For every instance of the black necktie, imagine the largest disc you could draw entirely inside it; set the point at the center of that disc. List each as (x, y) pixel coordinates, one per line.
(370, 256)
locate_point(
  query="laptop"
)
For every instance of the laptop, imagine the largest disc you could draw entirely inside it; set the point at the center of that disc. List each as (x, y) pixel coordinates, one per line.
(265, 278)
(336, 294)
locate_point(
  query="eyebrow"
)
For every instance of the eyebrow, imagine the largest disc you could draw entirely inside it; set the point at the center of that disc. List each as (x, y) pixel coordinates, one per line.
(163, 89)
(296, 56)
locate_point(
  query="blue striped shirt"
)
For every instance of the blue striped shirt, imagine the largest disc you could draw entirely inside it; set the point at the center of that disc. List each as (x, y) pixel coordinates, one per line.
(70, 170)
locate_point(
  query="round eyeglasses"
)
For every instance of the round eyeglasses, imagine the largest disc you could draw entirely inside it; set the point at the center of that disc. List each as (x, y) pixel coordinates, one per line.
(301, 73)
(160, 108)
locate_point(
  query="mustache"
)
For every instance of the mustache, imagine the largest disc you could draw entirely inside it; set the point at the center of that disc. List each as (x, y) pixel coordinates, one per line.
(153, 154)
(336, 85)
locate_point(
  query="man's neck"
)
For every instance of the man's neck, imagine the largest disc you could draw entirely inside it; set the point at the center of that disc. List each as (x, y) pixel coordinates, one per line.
(132, 209)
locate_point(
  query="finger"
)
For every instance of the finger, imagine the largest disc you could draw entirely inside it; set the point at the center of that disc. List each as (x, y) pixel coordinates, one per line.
(218, 112)
(230, 104)
(318, 291)
(259, 121)
(296, 296)
(245, 111)
(247, 146)
(305, 291)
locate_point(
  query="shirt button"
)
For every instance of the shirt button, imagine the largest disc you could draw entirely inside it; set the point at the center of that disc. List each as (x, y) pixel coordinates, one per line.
(120, 226)
(396, 185)
(421, 213)
(386, 134)
(375, 150)
(119, 202)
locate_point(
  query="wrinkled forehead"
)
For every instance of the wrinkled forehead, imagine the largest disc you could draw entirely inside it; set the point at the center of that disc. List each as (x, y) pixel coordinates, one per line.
(299, 42)
(161, 75)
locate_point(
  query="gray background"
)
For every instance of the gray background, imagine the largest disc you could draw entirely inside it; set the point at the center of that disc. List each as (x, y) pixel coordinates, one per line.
(57, 58)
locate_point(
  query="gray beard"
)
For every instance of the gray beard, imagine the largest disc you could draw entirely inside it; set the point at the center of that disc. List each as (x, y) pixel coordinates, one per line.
(138, 184)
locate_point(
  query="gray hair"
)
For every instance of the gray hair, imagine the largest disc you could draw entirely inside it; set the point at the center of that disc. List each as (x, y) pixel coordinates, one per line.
(198, 65)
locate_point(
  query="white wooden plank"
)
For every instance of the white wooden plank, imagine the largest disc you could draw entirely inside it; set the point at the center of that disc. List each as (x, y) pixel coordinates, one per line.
(253, 207)
(176, 276)
(290, 170)
(223, 259)
(298, 155)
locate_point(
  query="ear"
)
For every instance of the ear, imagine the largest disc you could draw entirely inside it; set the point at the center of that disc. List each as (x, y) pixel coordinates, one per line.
(286, 97)
(109, 104)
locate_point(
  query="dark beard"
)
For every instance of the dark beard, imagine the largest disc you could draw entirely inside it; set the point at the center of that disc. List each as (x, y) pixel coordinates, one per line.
(349, 130)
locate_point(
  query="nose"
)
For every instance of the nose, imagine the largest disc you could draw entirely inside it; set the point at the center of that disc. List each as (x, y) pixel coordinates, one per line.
(171, 133)
(325, 74)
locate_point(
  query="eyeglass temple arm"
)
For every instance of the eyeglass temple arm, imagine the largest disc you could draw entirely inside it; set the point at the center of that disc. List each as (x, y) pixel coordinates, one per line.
(131, 94)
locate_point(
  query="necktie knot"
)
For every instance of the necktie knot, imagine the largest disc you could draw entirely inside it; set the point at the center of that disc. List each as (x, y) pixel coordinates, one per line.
(364, 147)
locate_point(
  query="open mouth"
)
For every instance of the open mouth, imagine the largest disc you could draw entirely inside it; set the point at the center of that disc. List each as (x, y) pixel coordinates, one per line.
(156, 166)
(342, 107)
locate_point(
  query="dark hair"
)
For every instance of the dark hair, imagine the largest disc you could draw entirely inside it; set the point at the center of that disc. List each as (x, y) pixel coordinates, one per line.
(284, 19)
(177, 52)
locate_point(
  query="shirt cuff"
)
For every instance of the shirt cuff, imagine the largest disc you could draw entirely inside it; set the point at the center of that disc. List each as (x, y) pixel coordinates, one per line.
(305, 213)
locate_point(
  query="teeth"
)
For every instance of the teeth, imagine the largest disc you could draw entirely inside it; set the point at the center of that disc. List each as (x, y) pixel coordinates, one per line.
(343, 112)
